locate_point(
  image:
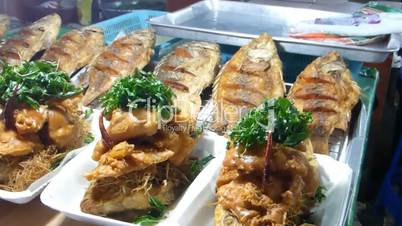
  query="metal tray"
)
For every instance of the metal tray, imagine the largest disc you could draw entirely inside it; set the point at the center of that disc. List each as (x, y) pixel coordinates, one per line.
(347, 147)
(236, 23)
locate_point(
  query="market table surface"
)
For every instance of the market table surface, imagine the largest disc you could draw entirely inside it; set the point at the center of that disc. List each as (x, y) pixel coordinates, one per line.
(33, 214)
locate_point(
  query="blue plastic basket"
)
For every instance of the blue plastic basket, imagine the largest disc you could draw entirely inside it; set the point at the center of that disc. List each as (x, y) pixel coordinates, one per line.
(138, 19)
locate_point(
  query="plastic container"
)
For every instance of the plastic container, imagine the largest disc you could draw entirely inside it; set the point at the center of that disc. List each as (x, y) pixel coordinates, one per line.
(135, 20)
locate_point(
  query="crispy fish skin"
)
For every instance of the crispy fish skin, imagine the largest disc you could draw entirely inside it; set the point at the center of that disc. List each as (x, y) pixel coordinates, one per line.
(30, 40)
(326, 89)
(4, 23)
(188, 70)
(121, 58)
(243, 200)
(252, 75)
(75, 49)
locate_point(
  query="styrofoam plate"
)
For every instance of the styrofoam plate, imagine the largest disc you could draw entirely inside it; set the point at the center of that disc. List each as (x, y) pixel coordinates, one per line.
(36, 187)
(198, 204)
(67, 189)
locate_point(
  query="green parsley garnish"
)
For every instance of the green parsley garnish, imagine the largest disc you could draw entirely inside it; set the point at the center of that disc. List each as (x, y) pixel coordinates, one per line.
(290, 126)
(197, 131)
(320, 194)
(34, 83)
(89, 138)
(198, 165)
(138, 91)
(88, 112)
(154, 215)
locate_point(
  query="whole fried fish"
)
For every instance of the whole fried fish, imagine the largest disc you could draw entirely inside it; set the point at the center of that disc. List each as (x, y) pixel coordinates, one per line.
(121, 58)
(188, 70)
(4, 22)
(326, 89)
(252, 75)
(38, 36)
(75, 49)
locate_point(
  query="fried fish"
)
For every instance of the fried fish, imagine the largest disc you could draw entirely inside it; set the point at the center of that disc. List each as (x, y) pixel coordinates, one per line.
(30, 40)
(121, 58)
(188, 70)
(326, 89)
(75, 49)
(252, 75)
(4, 23)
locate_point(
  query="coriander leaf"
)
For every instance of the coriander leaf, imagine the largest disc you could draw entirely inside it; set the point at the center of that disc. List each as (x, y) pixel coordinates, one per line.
(89, 138)
(154, 215)
(197, 132)
(198, 165)
(139, 90)
(36, 82)
(88, 112)
(290, 125)
(320, 194)
(146, 220)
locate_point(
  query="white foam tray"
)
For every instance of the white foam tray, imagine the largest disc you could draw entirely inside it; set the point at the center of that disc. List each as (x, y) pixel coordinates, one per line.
(195, 206)
(36, 187)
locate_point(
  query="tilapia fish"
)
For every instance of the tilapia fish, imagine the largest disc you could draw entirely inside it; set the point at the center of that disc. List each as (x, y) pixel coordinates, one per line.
(252, 75)
(121, 58)
(326, 89)
(4, 22)
(188, 70)
(30, 40)
(75, 49)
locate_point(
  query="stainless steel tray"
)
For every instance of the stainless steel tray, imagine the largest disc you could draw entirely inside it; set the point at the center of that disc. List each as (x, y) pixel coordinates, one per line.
(236, 23)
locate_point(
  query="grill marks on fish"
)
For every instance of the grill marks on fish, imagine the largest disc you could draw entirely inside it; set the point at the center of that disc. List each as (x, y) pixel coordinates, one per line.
(253, 74)
(30, 40)
(326, 89)
(75, 49)
(121, 58)
(188, 70)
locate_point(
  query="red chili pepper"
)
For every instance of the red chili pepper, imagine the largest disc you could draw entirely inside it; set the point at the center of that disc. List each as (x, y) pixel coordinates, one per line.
(106, 139)
(9, 109)
(268, 151)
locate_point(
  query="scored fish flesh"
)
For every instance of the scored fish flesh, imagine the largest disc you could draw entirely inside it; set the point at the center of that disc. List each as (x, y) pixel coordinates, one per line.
(26, 43)
(188, 70)
(326, 89)
(252, 75)
(75, 49)
(121, 58)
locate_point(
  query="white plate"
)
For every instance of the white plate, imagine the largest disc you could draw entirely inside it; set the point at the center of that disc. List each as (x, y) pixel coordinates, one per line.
(66, 190)
(198, 207)
(36, 187)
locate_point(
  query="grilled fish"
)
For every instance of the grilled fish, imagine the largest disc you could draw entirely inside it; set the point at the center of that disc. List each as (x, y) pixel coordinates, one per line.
(252, 75)
(188, 70)
(326, 89)
(30, 40)
(4, 22)
(75, 49)
(121, 58)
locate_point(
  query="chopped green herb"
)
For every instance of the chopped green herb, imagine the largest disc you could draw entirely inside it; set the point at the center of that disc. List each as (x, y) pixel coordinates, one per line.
(198, 165)
(290, 126)
(320, 194)
(88, 112)
(197, 132)
(154, 215)
(58, 159)
(139, 90)
(35, 83)
(89, 138)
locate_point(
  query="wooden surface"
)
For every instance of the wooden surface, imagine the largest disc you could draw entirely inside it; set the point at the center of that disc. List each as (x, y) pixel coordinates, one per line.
(33, 214)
